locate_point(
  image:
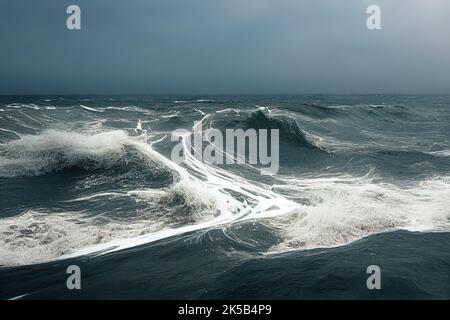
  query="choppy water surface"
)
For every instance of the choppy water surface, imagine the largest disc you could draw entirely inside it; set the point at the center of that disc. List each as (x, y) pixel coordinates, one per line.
(89, 180)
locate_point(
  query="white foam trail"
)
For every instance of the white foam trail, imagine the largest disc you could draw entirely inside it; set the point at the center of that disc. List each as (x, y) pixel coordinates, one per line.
(139, 125)
(19, 297)
(20, 105)
(98, 195)
(29, 117)
(189, 101)
(441, 153)
(92, 109)
(214, 187)
(236, 111)
(176, 114)
(200, 111)
(13, 132)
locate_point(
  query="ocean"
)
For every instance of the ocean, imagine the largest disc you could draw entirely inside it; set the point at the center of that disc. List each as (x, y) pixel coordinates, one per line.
(363, 180)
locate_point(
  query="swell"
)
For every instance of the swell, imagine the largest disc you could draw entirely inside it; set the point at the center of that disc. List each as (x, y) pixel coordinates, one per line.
(289, 129)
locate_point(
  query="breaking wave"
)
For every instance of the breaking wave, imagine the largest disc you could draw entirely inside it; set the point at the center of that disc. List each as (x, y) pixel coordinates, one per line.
(54, 150)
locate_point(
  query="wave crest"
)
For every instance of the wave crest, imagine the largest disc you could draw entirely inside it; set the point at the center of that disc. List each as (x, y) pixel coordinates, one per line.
(54, 150)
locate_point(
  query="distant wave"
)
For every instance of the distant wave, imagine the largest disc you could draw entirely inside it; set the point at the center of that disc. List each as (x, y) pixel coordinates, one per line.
(382, 112)
(441, 153)
(288, 127)
(92, 109)
(191, 101)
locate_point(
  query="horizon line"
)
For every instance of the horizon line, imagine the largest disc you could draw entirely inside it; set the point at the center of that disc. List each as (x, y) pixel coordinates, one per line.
(221, 94)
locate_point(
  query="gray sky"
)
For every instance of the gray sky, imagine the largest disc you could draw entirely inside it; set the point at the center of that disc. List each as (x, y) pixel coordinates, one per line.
(224, 46)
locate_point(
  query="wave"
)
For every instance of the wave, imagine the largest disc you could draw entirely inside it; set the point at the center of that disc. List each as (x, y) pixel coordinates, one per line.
(37, 236)
(343, 209)
(109, 109)
(198, 101)
(92, 109)
(228, 110)
(289, 129)
(23, 105)
(440, 153)
(376, 112)
(54, 150)
(225, 197)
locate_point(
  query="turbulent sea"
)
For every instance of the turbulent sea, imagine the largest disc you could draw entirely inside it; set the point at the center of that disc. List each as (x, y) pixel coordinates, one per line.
(89, 181)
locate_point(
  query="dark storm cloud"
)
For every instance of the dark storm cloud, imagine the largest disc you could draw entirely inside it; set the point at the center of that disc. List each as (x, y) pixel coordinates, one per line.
(224, 46)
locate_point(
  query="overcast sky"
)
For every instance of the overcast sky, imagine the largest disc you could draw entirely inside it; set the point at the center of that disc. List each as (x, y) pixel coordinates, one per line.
(224, 46)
